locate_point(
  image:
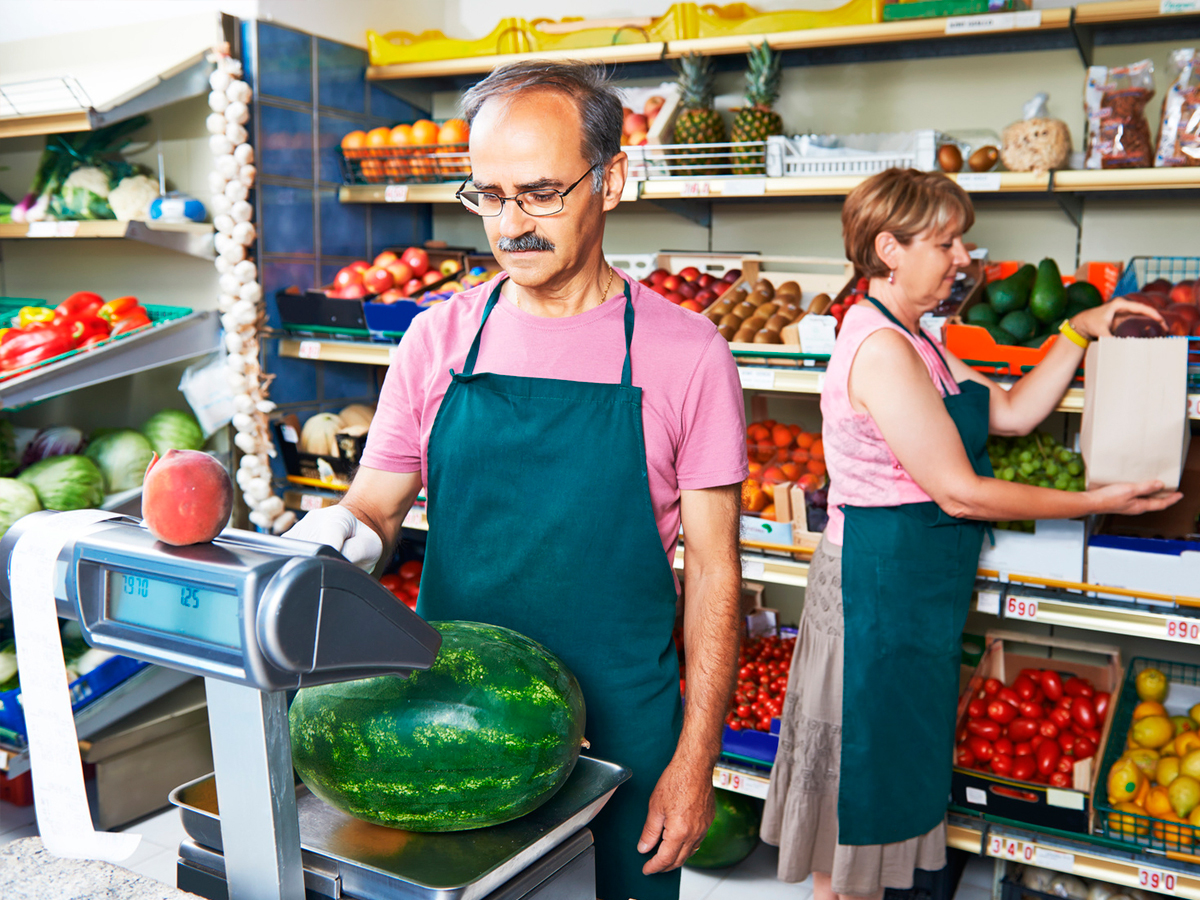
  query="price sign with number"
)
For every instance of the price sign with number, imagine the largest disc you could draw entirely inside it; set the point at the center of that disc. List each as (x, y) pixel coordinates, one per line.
(1180, 629)
(1005, 848)
(395, 193)
(310, 350)
(1021, 608)
(309, 502)
(695, 189)
(729, 780)
(1156, 879)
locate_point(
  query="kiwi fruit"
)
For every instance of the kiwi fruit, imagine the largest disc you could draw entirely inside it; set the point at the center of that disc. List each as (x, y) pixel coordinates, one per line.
(766, 336)
(776, 322)
(745, 309)
(758, 323)
(720, 308)
(768, 309)
(757, 297)
(727, 331)
(731, 320)
(744, 336)
(765, 286)
(789, 308)
(983, 159)
(789, 287)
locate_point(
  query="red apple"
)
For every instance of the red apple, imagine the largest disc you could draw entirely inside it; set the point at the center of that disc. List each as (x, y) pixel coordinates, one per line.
(359, 265)
(417, 260)
(1183, 292)
(352, 292)
(674, 297)
(637, 122)
(691, 273)
(637, 139)
(687, 289)
(433, 276)
(692, 305)
(401, 272)
(390, 296)
(347, 276)
(377, 280)
(670, 283)
(385, 259)
(1157, 286)
(656, 277)
(412, 287)
(705, 279)
(705, 296)
(732, 275)
(186, 497)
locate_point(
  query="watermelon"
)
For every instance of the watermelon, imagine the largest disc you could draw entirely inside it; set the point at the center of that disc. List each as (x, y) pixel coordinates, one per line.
(486, 735)
(733, 834)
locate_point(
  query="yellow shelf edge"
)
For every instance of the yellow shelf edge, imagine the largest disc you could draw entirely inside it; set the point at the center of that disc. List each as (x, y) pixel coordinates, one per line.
(471, 65)
(52, 123)
(1121, 11)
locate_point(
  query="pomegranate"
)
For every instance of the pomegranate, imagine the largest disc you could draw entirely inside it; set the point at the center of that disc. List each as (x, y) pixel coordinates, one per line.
(186, 497)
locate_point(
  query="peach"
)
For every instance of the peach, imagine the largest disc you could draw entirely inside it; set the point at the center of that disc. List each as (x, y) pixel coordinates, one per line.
(652, 106)
(186, 497)
(377, 280)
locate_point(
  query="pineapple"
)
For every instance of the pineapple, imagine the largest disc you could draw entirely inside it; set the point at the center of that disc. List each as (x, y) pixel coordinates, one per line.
(757, 119)
(697, 121)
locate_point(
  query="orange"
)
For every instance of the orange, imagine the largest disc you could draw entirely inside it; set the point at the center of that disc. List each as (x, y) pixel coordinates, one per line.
(805, 440)
(753, 499)
(790, 470)
(757, 433)
(354, 140)
(800, 455)
(755, 469)
(765, 453)
(425, 132)
(774, 475)
(768, 488)
(818, 449)
(1187, 742)
(783, 455)
(782, 436)
(795, 429)
(769, 423)
(1148, 708)
(401, 134)
(453, 131)
(768, 511)
(379, 137)
(816, 467)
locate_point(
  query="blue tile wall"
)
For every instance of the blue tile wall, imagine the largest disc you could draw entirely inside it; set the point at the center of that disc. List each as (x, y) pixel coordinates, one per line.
(280, 274)
(400, 225)
(284, 63)
(287, 220)
(285, 146)
(333, 129)
(296, 379)
(341, 76)
(343, 227)
(389, 106)
(348, 380)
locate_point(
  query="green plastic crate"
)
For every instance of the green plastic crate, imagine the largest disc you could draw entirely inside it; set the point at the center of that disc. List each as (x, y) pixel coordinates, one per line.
(936, 9)
(1187, 839)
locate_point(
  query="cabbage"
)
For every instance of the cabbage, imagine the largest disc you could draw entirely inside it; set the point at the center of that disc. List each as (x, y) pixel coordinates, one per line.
(16, 500)
(172, 429)
(57, 440)
(66, 482)
(8, 447)
(122, 456)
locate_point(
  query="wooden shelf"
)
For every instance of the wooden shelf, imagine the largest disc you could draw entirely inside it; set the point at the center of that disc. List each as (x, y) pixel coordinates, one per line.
(1121, 12)
(471, 65)
(192, 238)
(1080, 181)
(363, 352)
(412, 193)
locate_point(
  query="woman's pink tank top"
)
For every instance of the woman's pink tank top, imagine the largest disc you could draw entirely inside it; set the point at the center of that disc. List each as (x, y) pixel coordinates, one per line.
(863, 471)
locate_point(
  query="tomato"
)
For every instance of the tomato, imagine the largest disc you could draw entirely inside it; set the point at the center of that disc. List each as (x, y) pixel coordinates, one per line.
(1024, 748)
(1022, 729)
(1036, 741)
(1093, 735)
(1084, 748)
(976, 709)
(1002, 764)
(410, 569)
(1024, 768)
(1066, 742)
(1004, 746)
(1059, 779)
(984, 728)
(1065, 703)
(391, 581)
(1083, 713)
(964, 757)
(1047, 757)
(1052, 685)
(743, 711)
(1023, 685)
(992, 686)
(1077, 687)
(981, 748)
(1047, 728)
(1039, 696)
(1100, 701)
(735, 725)
(1031, 710)
(1061, 718)
(1009, 696)
(999, 711)
(1065, 764)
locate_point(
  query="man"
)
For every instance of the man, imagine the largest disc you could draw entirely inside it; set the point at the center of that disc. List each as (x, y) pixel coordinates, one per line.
(563, 445)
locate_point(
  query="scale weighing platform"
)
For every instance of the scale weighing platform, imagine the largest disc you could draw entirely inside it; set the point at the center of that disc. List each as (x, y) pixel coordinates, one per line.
(257, 616)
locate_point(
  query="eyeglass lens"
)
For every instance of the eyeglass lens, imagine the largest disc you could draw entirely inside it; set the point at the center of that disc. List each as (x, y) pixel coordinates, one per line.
(535, 203)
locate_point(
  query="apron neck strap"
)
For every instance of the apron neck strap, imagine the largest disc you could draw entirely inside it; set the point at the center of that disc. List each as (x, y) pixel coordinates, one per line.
(626, 369)
(887, 312)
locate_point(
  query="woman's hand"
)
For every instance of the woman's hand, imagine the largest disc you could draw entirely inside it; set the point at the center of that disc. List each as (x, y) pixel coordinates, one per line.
(1097, 322)
(1133, 499)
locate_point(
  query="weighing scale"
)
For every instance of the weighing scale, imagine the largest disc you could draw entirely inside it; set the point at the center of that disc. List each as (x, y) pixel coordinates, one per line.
(255, 616)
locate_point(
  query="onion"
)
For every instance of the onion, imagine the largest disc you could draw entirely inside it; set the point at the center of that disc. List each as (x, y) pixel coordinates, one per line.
(237, 134)
(236, 191)
(241, 211)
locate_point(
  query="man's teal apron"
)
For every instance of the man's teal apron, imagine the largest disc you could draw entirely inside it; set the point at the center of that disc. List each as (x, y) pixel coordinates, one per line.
(540, 520)
(908, 572)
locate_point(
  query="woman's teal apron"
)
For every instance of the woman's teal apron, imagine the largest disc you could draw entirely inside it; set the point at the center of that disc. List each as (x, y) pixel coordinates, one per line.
(540, 520)
(908, 572)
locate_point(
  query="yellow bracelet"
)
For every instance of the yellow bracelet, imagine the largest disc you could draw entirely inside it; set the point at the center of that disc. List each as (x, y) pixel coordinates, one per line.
(1071, 334)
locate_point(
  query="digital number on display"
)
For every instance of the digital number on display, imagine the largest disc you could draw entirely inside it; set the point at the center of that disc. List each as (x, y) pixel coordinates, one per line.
(177, 608)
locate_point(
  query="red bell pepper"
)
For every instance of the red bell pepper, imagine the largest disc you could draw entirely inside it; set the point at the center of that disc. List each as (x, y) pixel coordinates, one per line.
(83, 326)
(34, 345)
(118, 308)
(79, 303)
(132, 320)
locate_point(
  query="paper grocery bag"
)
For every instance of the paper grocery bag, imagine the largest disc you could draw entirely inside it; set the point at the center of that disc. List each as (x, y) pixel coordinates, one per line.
(1135, 425)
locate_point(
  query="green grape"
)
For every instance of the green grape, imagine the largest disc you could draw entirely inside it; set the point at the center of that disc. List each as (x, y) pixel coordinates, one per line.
(1008, 473)
(1028, 468)
(1049, 441)
(1026, 456)
(1065, 455)
(1044, 482)
(1061, 483)
(1050, 469)
(1074, 468)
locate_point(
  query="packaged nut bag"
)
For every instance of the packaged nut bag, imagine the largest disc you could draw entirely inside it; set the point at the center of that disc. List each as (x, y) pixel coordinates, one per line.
(1115, 99)
(1179, 133)
(1035, 143)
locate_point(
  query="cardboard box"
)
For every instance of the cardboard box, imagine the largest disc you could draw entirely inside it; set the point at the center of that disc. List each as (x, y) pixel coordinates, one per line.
(1056, 550)
(1152, 565)
(1066, 809)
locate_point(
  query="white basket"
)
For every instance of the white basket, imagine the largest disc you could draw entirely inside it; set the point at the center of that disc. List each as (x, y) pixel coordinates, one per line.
(692, 161)
(855, 154)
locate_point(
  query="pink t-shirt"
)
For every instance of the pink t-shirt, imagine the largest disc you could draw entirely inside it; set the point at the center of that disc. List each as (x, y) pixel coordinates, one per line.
(692, 409)
(863, 471)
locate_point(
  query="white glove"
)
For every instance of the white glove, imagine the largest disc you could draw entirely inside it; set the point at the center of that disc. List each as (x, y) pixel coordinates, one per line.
(337, 527)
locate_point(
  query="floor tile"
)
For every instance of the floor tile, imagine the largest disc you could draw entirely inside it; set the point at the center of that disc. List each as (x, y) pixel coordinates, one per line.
(978, 872)
(698, 884)
(967, 891)
(13, 817)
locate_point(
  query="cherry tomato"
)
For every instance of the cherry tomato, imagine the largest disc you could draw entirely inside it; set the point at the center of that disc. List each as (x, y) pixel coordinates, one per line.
(982, 748)
(1065, 764)
(1066, 742)
(1024, 748)
(745, 673)
(992, 686)
(1052, 685)
(976, 709)
(735, 725)
(1039, 696)
(1059, 779)
(999, 711)
(1036, 741)
(1093, 735)
(1100, 701)
(1003, 746)
(984, 728)
(1060, 717)
(1024, 768)
(743, 711)
(1002, 764)
(392, 581)
(1047, 728)
(1047, 757)
(1031, 710)
(1083, 713)
(1065, 703)
(1008, 695)
(1084, 748)
(964, 757)
(1077, 687)
(1023, 685)
(1022, 729)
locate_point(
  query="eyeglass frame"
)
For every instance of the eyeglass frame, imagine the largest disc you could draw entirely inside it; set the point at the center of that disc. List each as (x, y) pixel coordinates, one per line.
(516, 198)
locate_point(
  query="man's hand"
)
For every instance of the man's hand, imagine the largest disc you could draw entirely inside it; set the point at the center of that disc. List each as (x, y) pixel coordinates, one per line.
(681, 809)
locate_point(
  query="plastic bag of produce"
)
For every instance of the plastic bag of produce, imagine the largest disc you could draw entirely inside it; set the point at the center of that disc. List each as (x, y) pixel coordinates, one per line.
(1118, 134)
(1036, 143)
(1179, 132)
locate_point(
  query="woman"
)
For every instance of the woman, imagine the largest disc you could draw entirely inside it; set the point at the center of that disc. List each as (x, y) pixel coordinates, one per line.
(859, 789)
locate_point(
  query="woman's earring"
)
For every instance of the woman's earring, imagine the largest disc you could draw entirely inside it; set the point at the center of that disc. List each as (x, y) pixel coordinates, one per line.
(892, 276)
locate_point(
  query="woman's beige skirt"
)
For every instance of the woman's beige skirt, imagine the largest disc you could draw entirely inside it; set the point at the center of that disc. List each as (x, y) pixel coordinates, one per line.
(801, 810)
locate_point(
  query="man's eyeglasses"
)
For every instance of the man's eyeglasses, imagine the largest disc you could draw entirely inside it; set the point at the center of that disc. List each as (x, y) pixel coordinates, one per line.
(537, 202)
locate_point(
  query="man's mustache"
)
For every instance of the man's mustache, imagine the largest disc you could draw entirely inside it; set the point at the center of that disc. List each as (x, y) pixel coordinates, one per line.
(527, 241)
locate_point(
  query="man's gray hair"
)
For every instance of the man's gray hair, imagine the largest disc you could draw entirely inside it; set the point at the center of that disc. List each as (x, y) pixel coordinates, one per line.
(600, 108)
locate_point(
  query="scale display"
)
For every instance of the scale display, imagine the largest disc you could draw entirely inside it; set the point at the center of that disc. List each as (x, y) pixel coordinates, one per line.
(175, 607)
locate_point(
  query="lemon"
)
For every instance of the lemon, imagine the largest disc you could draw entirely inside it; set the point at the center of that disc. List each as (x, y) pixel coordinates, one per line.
(1144, 758)
(1185, 794)
(1124, 779)
(1194, 714)
(1187, 742)
(1194, 817)
(1151, 685)
(1190, 764)
(1182, 724)
(1148, 708)
(1153, 731)
(1167, 770)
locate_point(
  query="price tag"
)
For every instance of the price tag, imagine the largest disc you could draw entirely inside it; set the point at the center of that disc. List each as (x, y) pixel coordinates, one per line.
(817, 333)
(753, 568)
(988, 602)
(1156, 879)
(1006, 848)
(1180, 629)
(744, 187)
(42, 229)
(392, 353)
(1030, 18)
(762, 379)
(742, 784)
(1169, 7)
(695, 189)
(66, 229)
(1053, 859)
(310, 350)
(309, 502)
(414, 518)
(1021, 608)
(289, 434)
(820, 382)
(976, 24)
(1193, 406)
(979, 181)
(395, 193)
(4, 760)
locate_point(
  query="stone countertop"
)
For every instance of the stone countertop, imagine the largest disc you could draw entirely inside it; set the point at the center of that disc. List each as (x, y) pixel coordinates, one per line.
(29, 872)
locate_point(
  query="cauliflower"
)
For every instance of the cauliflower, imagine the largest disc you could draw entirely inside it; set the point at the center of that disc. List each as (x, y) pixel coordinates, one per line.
(89, 177)
(131, 198)
(82, 196)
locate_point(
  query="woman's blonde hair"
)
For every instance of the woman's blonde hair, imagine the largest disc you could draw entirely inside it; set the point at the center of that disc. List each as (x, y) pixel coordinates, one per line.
(904, 202)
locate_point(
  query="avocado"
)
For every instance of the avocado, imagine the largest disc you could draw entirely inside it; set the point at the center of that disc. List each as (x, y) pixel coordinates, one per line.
(982, 314)
(1007, 295)
(1084, 294)
(1048, 300)
(1020, 324)
(1000, 336)
(1035, 342)
(1025, 276)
